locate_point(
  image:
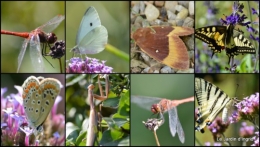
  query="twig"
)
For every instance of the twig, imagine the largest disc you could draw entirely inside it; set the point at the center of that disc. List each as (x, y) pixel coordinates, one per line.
(60, 65)
(156, 138)
(153, 124)
(92, 118)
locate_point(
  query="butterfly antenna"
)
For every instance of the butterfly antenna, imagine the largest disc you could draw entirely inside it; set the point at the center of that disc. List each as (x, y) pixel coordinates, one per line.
(237, 88)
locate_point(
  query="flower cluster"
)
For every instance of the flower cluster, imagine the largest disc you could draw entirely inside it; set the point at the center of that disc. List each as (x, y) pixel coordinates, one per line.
(90, 65)
(246, 131)
(217, 128)
(57, 50)
(248, 108)
(239, 19)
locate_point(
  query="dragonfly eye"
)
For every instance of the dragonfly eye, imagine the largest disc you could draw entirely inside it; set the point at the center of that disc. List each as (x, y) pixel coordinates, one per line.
(51, 38)
(155, 109)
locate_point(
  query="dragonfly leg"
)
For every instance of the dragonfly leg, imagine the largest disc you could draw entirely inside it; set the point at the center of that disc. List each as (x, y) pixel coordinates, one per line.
(44, 53)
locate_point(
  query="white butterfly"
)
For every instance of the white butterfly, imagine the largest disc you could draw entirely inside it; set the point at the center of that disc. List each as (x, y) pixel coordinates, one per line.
(92, 36)
(211, 101)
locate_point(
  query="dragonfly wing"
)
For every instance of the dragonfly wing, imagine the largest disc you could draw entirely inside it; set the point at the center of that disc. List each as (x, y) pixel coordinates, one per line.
(180, 132)
(175, 125)
(172, 118)
(21, 54)
(144, 101)
(35, 53)
(52, 24)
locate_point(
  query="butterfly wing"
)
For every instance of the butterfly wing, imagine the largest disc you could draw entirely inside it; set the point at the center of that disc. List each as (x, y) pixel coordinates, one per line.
(214, 36)
(32, 99)
(92, 36)
(89, 21)
(227, 111)
(239, 44)
(211, 101)
(94, 42)
(50, 89)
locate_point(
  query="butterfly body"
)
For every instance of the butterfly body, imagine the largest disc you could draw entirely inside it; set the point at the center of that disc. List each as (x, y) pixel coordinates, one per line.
(225, 37)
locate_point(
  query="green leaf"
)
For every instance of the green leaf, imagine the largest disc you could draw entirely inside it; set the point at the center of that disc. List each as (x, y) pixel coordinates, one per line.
(81, 139)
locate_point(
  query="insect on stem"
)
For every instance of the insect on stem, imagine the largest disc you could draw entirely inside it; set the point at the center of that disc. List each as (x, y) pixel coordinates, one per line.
(92, 118)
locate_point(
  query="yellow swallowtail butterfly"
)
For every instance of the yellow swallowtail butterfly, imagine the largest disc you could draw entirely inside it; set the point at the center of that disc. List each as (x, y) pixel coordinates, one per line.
(225, 37)
(211, 101)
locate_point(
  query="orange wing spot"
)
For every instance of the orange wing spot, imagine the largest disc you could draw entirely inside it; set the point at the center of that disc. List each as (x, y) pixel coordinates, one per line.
(208, 120)
(51, 86)
(46, 86)
(27, 90)
(30, 85)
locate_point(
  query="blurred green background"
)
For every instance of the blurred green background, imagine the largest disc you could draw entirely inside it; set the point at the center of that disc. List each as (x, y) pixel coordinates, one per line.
(220, 60)
(114, 17)
(25, 17)
(247, 84)
(178, 86)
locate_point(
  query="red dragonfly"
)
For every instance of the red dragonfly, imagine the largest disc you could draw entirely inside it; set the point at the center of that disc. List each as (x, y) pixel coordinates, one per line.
(35, 38)
(159, 105)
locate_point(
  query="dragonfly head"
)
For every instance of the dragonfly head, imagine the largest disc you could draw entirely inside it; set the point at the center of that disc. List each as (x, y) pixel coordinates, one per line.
(155, 108)
(51, 38)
